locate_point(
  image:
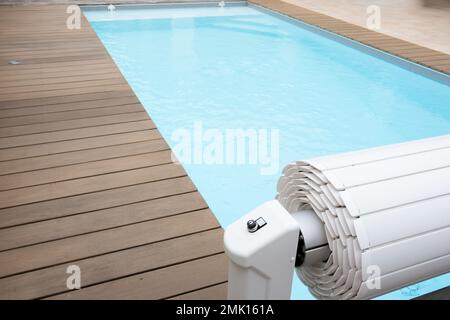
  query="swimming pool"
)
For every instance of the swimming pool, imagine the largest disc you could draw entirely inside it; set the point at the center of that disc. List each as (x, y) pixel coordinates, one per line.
(205, 68)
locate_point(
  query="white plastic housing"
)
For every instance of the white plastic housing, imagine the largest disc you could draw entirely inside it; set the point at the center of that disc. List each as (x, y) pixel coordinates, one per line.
(262, 263)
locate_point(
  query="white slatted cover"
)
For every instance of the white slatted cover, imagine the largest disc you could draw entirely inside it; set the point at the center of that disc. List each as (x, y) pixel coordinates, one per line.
(387, 207)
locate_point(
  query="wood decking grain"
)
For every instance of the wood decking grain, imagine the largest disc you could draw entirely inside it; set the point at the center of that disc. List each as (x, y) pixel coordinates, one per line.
(86, 179)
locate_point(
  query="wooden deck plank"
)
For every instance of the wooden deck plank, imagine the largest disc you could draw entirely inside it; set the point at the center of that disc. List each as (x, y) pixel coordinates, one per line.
(48, 46)
(81, 156)
(78, 109)
(72, 58)
(36, 116)
(40, 138)
(68, 71)
(47, 69)
(30, 83)
(53, 100)
(49, 56)
(69, 188)
(82, 170)
(99, 200)
(13, 131)
(10, 97)
(28, 89)
(78, 144)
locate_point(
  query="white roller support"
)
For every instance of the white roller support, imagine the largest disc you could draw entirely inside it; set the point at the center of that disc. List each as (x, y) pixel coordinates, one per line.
(262, 259)
(385, 212)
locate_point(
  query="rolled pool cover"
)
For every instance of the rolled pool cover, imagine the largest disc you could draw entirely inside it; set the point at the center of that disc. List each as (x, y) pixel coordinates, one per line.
(386, 214)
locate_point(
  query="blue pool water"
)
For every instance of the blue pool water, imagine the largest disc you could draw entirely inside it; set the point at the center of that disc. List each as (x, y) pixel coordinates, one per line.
(240, 68)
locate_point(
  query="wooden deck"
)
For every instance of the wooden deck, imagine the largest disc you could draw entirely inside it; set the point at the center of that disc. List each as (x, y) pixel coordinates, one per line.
(86, 178)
